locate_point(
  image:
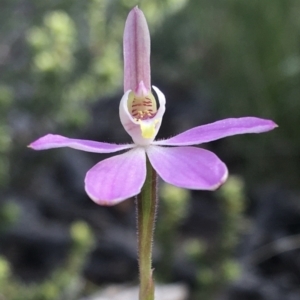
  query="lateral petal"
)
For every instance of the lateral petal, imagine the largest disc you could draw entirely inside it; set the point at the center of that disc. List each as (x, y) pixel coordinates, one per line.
(217, 130)
(188, 167)
(50, 141)
(117, 178)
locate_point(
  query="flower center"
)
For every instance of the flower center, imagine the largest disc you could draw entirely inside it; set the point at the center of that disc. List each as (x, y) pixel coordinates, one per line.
(142, 107)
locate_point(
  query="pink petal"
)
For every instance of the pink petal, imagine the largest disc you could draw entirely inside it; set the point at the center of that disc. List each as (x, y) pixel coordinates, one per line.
(218, 130)
(188, 167)
(117, 178)
(50, 141)
(136, 51)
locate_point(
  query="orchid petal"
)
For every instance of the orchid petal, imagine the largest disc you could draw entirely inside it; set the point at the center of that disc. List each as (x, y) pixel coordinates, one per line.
(136, 51)
(50, 141)
(117, 178)
(142, 132)
(218, 130)
(188, 167)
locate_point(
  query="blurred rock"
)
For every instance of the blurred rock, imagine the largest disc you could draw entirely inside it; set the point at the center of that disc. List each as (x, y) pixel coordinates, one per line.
(162, 292)
(114, 260)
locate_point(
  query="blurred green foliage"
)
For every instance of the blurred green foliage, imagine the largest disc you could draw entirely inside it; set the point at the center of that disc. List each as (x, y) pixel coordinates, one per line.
(9, 213)
(6, 98)
(64, 284)
(173, 206)
(216, 266)
(213, 259)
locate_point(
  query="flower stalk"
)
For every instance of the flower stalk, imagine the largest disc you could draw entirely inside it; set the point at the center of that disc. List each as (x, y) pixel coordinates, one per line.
(146, 203)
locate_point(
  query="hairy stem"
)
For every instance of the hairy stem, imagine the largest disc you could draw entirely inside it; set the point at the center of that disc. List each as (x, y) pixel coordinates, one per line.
(146, 212)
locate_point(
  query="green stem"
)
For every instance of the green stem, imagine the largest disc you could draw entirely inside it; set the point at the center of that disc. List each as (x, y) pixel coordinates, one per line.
(146, 211)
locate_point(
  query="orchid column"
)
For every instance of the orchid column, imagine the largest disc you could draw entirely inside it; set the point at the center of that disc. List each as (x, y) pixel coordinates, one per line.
(143, 108)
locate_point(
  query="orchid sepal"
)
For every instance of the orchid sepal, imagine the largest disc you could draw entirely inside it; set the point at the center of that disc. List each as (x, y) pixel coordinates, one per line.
(51, 141)
(218, 130)
(136, 49)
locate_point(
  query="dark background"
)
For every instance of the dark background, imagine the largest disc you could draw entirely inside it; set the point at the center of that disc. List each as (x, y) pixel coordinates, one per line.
(61, 72)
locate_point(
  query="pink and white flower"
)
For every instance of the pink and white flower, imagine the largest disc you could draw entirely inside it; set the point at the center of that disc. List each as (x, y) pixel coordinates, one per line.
(122, 176)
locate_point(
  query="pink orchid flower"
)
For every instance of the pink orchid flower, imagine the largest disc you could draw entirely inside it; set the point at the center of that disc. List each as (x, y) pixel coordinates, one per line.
(122, 176)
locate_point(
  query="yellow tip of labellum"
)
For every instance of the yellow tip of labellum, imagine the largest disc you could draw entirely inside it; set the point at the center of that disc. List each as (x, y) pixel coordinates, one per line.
(148, 128)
